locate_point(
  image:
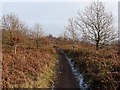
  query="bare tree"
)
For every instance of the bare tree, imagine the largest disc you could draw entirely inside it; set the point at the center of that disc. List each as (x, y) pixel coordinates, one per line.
(71, 31)
(97, 24)
(12, 22)
(13, 25)
(37, 34)
(12, 29)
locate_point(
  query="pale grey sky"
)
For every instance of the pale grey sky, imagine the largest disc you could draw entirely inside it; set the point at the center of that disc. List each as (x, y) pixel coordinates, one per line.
(53, 16)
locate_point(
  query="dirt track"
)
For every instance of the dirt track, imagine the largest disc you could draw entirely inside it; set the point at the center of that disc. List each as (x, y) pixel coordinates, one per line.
(65, 77)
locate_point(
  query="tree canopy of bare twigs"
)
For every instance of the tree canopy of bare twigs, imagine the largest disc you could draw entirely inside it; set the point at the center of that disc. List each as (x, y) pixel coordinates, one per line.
(97, 24)
(37, 34)
(13, 30)
(12, 22)
(71, 31)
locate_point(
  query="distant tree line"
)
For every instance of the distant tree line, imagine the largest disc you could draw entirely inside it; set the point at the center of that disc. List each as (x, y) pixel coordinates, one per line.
(15, 32)
(95, 25)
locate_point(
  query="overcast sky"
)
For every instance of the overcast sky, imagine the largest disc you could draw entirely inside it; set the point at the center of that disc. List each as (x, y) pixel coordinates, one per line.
(53, 16)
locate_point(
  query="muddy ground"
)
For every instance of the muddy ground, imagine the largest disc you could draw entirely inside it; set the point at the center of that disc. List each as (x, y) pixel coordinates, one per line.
(65, 77)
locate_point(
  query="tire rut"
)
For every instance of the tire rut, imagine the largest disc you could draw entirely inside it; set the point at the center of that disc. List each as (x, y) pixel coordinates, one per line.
(65, 78)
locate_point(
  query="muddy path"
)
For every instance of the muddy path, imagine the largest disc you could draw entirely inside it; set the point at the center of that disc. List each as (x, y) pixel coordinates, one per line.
(65, 77)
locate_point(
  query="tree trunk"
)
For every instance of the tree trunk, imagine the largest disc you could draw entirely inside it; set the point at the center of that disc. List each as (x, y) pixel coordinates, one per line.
(37, 46)
(73, 45)
(97, 45)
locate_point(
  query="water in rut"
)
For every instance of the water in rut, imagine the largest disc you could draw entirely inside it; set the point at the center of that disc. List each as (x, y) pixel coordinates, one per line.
(67, 75)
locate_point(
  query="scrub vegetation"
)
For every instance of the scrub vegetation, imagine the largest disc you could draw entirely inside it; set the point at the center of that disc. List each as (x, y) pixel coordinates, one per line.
(31, 59)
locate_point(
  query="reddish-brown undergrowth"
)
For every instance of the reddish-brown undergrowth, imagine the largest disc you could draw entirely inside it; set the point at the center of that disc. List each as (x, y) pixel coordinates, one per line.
(28, 67)
(101, 68)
